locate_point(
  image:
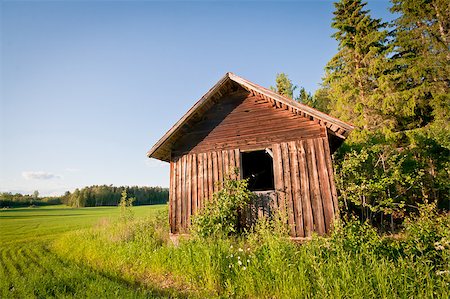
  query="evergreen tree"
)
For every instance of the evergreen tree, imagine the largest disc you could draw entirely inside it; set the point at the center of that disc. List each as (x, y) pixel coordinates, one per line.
(284, 86)
(352, 73)
(417, 81)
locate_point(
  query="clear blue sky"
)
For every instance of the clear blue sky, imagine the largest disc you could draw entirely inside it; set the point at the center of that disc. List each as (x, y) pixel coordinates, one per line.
(88, 87)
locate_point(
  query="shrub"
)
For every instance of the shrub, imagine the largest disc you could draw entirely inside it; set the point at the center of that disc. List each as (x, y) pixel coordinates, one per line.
(221, 215)
(427, 235)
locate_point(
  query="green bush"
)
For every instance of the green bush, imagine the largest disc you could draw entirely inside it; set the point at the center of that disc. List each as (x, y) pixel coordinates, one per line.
(427, 235)
(222, 215)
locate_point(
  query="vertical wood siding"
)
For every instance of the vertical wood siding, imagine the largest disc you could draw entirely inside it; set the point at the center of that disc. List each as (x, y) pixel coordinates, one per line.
(304, 184)
(193, 180)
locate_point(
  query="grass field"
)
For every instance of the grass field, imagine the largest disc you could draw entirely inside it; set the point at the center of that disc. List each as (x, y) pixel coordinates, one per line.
(89, 253)
(28, 268)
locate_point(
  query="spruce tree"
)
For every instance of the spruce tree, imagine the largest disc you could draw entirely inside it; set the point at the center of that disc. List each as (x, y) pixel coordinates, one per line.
(284, 86)
(352, 74)
(417, 81)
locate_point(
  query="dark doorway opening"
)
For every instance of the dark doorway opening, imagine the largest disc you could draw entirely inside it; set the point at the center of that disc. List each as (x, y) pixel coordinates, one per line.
(257, 166)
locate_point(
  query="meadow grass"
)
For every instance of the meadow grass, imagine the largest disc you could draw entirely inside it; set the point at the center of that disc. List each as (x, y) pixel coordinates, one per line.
(354, 262)
(94, 253)
(28, 267)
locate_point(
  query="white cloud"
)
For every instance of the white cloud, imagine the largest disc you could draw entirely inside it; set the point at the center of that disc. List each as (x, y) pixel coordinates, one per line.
(39, 175)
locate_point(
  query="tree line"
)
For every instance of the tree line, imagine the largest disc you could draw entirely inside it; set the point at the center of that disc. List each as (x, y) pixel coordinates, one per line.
(108, 195)
(18, 200)
(92, 196)
(391, 80)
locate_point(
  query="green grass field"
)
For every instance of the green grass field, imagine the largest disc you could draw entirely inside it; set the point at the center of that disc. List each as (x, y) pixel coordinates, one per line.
(28, 267)
(91, 253)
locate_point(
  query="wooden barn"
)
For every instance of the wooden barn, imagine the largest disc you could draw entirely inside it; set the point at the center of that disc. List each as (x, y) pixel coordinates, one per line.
(282, 146)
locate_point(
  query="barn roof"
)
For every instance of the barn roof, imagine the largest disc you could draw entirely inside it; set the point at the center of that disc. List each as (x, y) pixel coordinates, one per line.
(162, 149)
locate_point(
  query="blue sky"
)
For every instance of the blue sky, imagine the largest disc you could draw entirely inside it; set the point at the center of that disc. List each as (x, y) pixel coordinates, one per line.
(87, 87)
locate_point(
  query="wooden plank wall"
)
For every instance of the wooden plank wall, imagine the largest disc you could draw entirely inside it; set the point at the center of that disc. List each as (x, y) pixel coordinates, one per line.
(193, 180)
(303, 176)
(241, 120)
(305, 185)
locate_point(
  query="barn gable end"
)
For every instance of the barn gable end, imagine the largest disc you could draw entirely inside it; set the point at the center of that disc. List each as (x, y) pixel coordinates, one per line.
(235, 117)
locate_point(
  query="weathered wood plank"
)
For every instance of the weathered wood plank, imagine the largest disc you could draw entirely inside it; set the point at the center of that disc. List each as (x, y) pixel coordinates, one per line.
(188, 190)
(331, 176)
(194, 185)
(210, 176)
(279, 178)
(242, 117)
(226, 164)
(319, 222)
(308, 221)
(220, 167)
(205, 179)
(232, 164)
(325, 189)
(184, 197)
(296, 191)
(287, 183)
(172, 198)
(179, 193)
(215, 172)
(200, 180)
(237, 158)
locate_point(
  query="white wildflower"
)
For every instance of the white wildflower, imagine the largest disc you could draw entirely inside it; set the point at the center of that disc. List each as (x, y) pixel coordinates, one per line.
(229, 266)
(231, 246)
(248, 261)
(240, 249)
(239, 263)
(231, 255)
(438, 246)
(239, 257)
(442, 272)
(244, 268)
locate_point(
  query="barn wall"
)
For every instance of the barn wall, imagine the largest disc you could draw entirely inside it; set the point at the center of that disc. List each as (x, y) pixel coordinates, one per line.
(193, 180)
(303, 181)
(305, 185)
(241, 120)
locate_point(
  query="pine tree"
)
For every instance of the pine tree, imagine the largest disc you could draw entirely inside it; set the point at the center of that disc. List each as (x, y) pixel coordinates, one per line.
(352, 73)
(417, 81)
(284, 86)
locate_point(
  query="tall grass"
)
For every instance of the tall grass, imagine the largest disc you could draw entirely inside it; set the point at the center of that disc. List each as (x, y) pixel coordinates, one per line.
(354, 262)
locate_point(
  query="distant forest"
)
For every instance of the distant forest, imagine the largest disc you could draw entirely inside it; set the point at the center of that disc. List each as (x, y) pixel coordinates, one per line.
(104, 195)
(91, 196)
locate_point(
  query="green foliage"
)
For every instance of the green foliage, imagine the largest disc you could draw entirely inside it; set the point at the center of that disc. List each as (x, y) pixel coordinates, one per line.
(9, 200)
(354, 262)
(427, 236)
(221, 215)
(284, 86)
(351, 75)
(394, 89)
(125, 204)
(104, 195)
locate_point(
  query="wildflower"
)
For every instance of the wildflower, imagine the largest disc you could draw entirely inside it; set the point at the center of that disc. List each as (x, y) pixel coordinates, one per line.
(231, 255)
(442, 272)
(244, 268)
(229, 266)
(240, 249)
(248, 261)
(231, 246)
(239, 257)
(248, 249)
(239, 263)
(438, 246)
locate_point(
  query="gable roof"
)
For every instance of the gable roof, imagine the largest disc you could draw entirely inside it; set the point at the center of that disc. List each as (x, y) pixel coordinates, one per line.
(161, 149)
